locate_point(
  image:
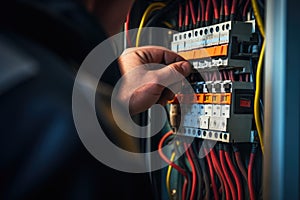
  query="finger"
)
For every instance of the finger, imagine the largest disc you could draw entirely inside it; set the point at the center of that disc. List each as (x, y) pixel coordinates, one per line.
(173, 73)
(144, 97)
(166, 96)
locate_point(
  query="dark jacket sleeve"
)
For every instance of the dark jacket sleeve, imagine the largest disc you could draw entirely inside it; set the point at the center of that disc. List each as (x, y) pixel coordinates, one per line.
(41, 155)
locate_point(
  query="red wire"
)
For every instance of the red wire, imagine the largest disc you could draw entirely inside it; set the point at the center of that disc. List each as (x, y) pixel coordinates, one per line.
(202, 9)
(186, 14)
(231, 75)
(129, 44)
(216, 11)
(207, 10)
(192, 11)
(213, 76)
(225, 76)
(212, 178)
(250, 177)
(179, 169)
(184, 189)
(247, 78)
(235, 175)
(199, 13)
(194, 177)
(218, 168)
(180, 16)
(233, 5)
(222, 8)
(226, 9)
(245, 8)
(237, 156)
(227, 175)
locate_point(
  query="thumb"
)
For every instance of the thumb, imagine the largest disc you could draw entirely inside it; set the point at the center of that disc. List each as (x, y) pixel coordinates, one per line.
(174, 72)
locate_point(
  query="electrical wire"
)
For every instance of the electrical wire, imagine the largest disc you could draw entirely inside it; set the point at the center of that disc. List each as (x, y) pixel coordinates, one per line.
(205, 179)
(212, 176)
(192, 12)
(233, 8)
(186, 189)
(235, 174)
(217, 166)
(168, 177)
(202, 12)
(194, 173)
(129, 44)
(161, 14)
(216, 10)
(245, 10)
(199, 174)
(199, 13)
(179, 169)
(180, 16)
(250, 173)
(152, 7)
(207, 12)
(226, 9)
(168, 24)
(186, 22)
(221, 11)
(257, 97)
(239, 162)
(261, 4)
(227, 174)
(258, 18)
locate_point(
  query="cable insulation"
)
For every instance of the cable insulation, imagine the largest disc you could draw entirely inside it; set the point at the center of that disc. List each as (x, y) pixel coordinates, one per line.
(217, 165)
(192, 11)
(240, 165)
(212, 176)
(245, 9)
(250, 176)
(235, 176)
(227, 174)
(194, 176)
(202, 10)
(258, 18)
(152, 7)
(216, 10)
(207, 12)
(257, 97)
(168, 177)
(129, 44)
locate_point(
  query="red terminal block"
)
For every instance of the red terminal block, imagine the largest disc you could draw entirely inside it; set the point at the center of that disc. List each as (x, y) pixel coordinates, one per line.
(208, 98)
(226, 98)
(216, 98)
(200, 98)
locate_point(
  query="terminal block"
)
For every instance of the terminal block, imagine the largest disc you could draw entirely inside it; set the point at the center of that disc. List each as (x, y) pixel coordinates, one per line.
(221, 45)
(222, 112)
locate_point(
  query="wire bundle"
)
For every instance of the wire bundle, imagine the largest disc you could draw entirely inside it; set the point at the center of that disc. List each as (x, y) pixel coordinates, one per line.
(222, 180)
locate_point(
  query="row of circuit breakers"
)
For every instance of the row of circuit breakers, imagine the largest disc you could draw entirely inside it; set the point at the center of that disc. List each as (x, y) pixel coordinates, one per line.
(220, 110)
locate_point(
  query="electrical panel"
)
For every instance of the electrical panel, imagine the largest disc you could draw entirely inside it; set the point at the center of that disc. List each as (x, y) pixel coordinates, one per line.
(220, 108)
(224, 42)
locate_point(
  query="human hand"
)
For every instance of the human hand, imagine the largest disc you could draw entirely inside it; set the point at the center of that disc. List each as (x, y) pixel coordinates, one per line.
(144, 83)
